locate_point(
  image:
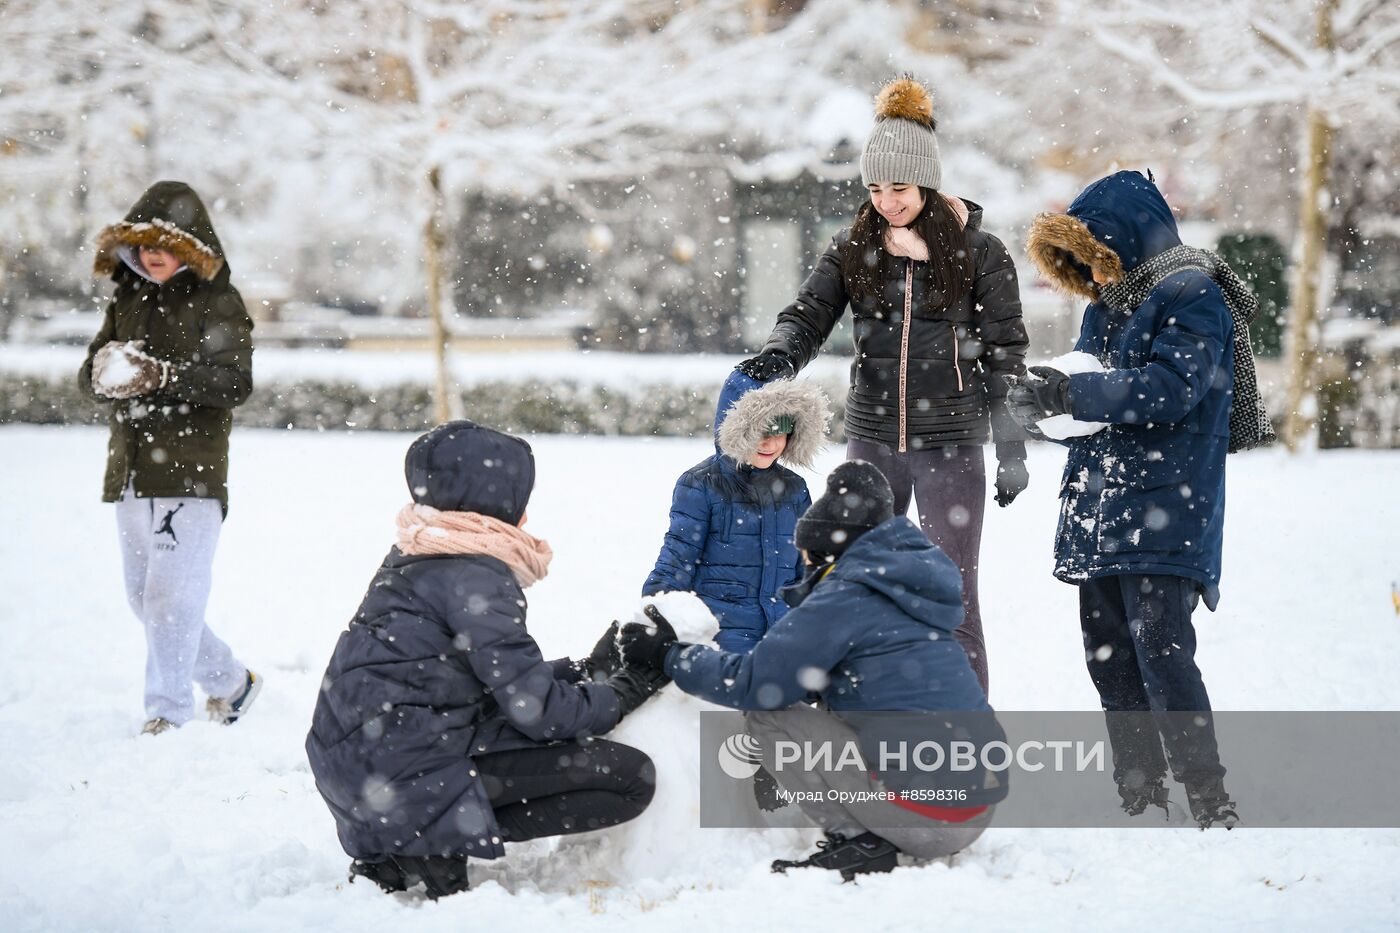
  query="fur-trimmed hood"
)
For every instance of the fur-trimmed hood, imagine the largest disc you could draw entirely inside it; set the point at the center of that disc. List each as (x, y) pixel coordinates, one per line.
(1115, 225)
(170, 216)
(746, 409)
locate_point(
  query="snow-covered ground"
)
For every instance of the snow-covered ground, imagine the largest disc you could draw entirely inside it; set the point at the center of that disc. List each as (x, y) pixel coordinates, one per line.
(276, 365)
(213, 828)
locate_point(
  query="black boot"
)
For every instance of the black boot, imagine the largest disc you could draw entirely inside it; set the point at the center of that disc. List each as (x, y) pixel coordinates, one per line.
(766, 791)
(1211, 805)
(859, 855)
(383, 873)
(440, 876)
(1136, 799)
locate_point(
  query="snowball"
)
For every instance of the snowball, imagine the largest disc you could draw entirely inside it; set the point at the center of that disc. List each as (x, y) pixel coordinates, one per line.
(690, 617)
(119, 370)
(1063, 427)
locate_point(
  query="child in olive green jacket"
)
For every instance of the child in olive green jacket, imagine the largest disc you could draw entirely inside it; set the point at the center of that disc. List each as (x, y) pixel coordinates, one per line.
(174, 358)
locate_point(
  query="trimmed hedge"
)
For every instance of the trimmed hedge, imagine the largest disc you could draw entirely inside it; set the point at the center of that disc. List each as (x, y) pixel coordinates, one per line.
(533, 407)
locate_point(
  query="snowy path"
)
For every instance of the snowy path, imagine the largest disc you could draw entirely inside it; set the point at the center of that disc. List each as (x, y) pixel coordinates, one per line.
(220, 829)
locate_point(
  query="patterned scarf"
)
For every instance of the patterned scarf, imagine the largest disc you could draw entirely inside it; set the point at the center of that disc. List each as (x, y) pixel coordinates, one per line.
(426, 530)
(1249, 422)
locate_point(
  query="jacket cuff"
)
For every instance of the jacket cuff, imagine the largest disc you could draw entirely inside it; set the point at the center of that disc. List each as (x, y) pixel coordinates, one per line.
(607, 706)
(567, 670)
(673, 654)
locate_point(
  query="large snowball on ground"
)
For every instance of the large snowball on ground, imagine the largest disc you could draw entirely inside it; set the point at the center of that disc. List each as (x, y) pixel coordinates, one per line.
(666, 842)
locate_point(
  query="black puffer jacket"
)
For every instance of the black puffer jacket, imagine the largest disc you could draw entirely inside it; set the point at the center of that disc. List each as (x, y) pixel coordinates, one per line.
(437, 666)
(930, 381)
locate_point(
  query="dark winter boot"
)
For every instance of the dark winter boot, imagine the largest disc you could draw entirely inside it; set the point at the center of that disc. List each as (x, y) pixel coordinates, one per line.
(1211, 805)
(1138, 798)
(439, 876)
(859, 855)
(383, 873)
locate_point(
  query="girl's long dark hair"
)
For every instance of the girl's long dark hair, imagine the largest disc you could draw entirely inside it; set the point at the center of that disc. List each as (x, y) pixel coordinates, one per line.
(866, 264)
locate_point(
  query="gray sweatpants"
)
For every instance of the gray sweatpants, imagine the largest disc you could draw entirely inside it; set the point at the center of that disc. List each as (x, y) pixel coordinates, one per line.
(950, 484)
(168, 555)
(915, 834)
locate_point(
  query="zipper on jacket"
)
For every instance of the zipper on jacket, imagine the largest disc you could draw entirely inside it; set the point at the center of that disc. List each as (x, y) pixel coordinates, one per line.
(904, 356)
(957, 365)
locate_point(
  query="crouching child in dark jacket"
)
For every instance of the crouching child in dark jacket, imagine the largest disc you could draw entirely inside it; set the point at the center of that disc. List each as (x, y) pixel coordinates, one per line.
(733, 514)
(440, 731)
(871, 634)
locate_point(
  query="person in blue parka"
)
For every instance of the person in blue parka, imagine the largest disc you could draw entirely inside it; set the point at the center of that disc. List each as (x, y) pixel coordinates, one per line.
(440, 732)
(733, 514)
(870, 635)
(1143, 500)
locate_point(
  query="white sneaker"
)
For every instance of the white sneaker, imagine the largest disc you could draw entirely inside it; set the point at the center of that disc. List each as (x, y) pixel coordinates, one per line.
(228, 710)
(157, 726)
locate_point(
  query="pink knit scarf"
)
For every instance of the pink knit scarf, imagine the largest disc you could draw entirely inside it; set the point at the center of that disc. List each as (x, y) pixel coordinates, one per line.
(426, 530)
(903, 241)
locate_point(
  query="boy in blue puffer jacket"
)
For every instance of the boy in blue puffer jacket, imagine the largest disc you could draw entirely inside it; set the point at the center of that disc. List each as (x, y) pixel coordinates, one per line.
(734, 513)
(871, 634)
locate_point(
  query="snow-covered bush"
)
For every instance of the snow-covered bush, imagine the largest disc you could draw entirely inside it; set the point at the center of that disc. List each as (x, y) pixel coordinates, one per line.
(532, 407)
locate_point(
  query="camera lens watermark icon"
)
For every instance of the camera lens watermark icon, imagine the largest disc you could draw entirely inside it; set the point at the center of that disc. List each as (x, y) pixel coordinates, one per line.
(740, 756)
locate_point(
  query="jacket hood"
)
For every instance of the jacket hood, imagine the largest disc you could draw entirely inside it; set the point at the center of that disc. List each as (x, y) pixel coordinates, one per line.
(1113, 226)
(460, 466)
(741, 427)
(969, 212)
(736, 386)
(897, 561)
(170, 216)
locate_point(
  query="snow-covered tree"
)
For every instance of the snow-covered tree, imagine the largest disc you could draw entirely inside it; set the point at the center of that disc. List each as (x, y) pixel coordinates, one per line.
(403, 107)
(1334, 62)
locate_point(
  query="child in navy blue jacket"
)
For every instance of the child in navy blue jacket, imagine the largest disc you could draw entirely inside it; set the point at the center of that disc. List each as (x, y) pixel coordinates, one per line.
(734, 513)
(1142, 506)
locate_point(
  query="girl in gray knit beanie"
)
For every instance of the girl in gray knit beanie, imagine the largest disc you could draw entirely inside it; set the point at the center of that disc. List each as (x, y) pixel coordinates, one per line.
(936, 321)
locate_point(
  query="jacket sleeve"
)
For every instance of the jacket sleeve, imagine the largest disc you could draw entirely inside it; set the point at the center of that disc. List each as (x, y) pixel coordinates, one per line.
(222, 376)
(506, 659)
(566, 670)
(997, 301)
(804, 325)
(810, 640)
(105, 334)
(1182, 364)
(684, 542)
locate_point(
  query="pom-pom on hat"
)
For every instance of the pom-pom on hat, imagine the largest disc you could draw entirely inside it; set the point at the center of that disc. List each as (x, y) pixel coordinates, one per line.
(857, 498)
(902, 147)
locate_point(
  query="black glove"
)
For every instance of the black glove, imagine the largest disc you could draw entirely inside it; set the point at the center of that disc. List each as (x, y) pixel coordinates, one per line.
(634, 686)
(1039, 394)
(767, 366)
(1023, 408)
(1051, 388)
(604, 658)
(645, 646)
(1012, 480)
